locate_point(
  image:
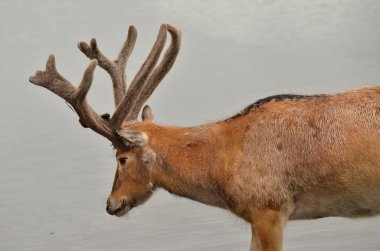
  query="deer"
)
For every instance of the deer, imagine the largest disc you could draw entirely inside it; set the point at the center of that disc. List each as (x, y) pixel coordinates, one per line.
(284, 157)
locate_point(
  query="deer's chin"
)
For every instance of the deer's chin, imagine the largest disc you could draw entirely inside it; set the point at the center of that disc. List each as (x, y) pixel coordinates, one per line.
(120, 209)
(123, 211)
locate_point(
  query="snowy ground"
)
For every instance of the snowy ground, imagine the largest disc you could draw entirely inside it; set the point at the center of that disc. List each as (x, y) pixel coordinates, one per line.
(56, 176)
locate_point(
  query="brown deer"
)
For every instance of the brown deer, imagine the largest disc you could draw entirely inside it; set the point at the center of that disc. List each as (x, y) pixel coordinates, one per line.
(282, 158)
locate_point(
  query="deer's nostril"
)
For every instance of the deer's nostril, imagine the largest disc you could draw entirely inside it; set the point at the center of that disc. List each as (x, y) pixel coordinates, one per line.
(108, 206)
(109, 210)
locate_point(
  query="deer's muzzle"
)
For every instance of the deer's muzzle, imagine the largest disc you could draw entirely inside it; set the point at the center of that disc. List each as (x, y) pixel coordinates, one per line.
(117, 208)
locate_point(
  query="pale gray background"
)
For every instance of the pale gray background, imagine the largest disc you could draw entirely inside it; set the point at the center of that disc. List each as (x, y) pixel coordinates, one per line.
(55, 176)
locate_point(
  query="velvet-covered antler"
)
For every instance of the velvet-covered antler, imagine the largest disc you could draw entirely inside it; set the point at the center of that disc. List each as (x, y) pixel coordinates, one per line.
(128, 101)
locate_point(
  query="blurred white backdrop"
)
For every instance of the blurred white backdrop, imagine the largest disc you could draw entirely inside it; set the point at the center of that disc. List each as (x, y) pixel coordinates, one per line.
(56, 176)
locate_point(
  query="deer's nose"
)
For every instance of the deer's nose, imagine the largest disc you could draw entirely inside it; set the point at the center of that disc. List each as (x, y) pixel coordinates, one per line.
(108, 208)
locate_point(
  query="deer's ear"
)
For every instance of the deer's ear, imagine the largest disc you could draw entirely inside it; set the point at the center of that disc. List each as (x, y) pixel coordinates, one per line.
(133, 138)
(147, 114)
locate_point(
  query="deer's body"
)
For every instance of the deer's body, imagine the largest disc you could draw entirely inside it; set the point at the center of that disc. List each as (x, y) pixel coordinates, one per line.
(321, 155)
(284, 157)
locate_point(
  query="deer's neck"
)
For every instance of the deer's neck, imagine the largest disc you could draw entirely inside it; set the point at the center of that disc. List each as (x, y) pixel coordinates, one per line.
(193, 163)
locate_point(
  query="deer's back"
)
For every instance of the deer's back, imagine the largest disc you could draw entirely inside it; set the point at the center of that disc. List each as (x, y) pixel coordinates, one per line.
(322, 153)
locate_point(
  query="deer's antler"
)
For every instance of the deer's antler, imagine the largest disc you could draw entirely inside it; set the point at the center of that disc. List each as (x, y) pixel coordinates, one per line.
(115, 68)
(128, 102)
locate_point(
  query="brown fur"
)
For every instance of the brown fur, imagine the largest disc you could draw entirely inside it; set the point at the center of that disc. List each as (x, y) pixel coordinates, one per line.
(289, 159)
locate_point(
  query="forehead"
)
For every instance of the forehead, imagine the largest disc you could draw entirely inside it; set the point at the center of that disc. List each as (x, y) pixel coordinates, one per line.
(125, 152)
(121, 152)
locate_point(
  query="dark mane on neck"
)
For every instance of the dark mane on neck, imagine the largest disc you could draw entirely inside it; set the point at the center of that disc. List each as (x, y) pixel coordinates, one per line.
(280, 97)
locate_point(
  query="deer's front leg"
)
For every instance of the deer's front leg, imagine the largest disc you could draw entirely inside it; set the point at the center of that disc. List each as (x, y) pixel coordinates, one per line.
(267, 229)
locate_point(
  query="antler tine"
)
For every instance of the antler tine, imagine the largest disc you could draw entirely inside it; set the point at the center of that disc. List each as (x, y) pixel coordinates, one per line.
(83, 88)
(115, 68)
(137, 84)
(159, 72)
(52, 80)
(92, 52)
(128, 46)
(76, 97)
(150, 61)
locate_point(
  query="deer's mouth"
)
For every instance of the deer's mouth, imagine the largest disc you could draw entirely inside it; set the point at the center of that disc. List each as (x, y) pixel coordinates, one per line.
(120, 210)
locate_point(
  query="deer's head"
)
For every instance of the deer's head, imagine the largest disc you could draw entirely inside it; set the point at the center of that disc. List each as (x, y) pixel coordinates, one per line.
(135, 160)
(132, 185)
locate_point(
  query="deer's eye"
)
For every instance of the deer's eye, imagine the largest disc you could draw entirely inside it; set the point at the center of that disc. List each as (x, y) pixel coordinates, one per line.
(122, 160)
